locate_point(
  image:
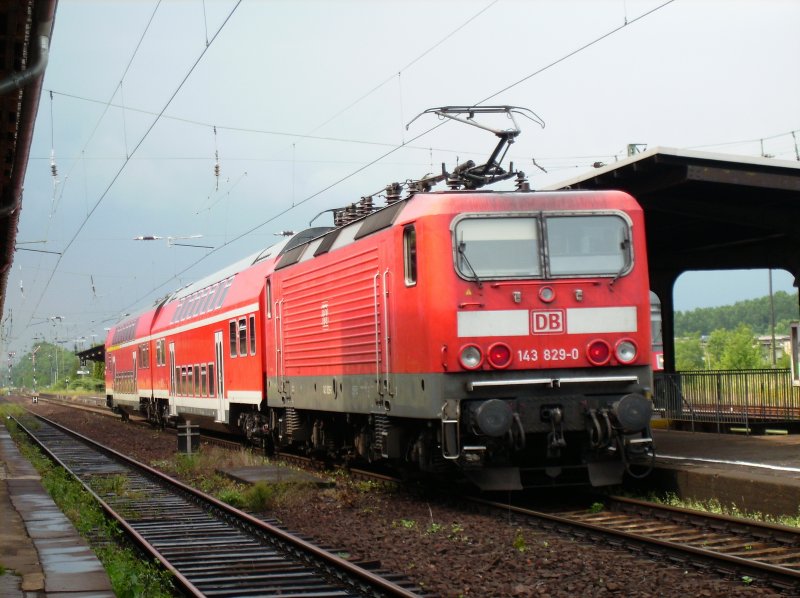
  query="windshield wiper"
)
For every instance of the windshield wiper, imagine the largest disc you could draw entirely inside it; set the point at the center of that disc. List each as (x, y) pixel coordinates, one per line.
(626, 263)
(461, 250)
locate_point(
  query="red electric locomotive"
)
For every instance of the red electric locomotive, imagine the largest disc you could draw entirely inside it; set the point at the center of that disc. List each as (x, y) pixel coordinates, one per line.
(503, 334)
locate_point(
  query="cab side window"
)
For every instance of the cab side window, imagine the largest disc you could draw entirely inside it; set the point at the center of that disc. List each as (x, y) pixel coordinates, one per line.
(410, 255)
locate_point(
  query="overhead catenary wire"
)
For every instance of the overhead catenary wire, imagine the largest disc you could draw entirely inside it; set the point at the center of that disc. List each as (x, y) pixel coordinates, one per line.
(578, 50)
(91, 136)
(238, 129)
(276, 216)
(407, 66)
(228, 158)
(388, 153)
(134, 150)
(394, 148)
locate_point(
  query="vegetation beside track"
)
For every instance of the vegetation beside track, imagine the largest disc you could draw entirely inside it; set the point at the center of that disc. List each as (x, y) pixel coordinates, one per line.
(714, 506)
(130, 575)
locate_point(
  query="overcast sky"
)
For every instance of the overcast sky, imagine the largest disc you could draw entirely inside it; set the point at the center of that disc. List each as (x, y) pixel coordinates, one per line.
(309, 101)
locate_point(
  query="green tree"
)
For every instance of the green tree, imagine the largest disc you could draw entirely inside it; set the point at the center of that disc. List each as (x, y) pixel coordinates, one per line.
(715, 348)
(53, 366)
(99, 370)
(689, 353)
(755, 313)
(741, 352)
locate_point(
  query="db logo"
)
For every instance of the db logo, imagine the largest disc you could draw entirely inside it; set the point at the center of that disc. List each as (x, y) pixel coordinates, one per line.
(547, 322)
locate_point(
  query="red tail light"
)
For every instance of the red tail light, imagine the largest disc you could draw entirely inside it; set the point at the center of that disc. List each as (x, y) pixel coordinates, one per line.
(499, 356)
(598, 352)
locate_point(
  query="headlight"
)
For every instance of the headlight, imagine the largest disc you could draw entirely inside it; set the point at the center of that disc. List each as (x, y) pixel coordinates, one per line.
(470, 357)
(547, 294)
(625, 351)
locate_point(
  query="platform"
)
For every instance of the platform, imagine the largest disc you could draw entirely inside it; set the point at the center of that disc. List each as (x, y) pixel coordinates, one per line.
(754, 473)
(40, 549)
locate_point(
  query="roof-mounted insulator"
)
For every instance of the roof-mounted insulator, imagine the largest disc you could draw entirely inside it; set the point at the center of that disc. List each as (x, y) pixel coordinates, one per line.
(394, 192)
(343, 216)
(365, 206)
(522, 182)
(338, 217)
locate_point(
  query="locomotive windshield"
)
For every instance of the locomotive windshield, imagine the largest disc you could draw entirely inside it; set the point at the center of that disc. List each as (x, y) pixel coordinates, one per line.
(580, 245)
(498, 247)
(527, 246)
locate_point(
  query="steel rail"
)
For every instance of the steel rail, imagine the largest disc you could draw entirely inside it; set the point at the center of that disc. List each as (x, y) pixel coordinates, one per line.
(375, 584)
(784, 577)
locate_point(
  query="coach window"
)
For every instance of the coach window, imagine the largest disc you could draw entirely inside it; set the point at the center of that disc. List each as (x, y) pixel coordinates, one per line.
(207, 299)
(196, 380)
(189, 380)
(201, 302)
(243, 336)
(183, 388)
(410, 255)
(203, 380)
(252, 335)
(210, 299)
(177, 390)
(232, 335)
(198, 304)
(223, 292)
(212, 382)
(192, 304)
(195, 305)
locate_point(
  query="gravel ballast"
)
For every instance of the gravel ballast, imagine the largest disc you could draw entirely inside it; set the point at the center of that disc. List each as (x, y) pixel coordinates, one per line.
(445, 550)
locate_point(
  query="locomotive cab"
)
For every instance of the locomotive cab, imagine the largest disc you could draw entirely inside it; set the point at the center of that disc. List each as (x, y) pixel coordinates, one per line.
(543, 331)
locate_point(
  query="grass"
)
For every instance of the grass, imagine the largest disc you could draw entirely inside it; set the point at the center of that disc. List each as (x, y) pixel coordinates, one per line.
(130, 575)
(201, 470)
(714, 506)
(519, 542)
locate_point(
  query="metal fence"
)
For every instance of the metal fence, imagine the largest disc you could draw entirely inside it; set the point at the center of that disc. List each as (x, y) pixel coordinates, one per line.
(727, 397)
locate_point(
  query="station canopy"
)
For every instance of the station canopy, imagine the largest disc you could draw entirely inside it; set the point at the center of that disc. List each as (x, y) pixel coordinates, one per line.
(706, 211)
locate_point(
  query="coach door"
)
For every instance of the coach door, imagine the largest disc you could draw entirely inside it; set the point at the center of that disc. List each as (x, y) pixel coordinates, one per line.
(135, 380)
(219, 374)
(113, 376)
(173, 382)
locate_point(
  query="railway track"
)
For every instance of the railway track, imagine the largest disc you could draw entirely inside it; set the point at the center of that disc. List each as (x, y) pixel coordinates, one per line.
(97, 405)
(210, 548)
(748, 550)
(740, 550)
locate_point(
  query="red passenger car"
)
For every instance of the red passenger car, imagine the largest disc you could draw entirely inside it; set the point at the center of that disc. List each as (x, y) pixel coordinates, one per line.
(502, 334)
